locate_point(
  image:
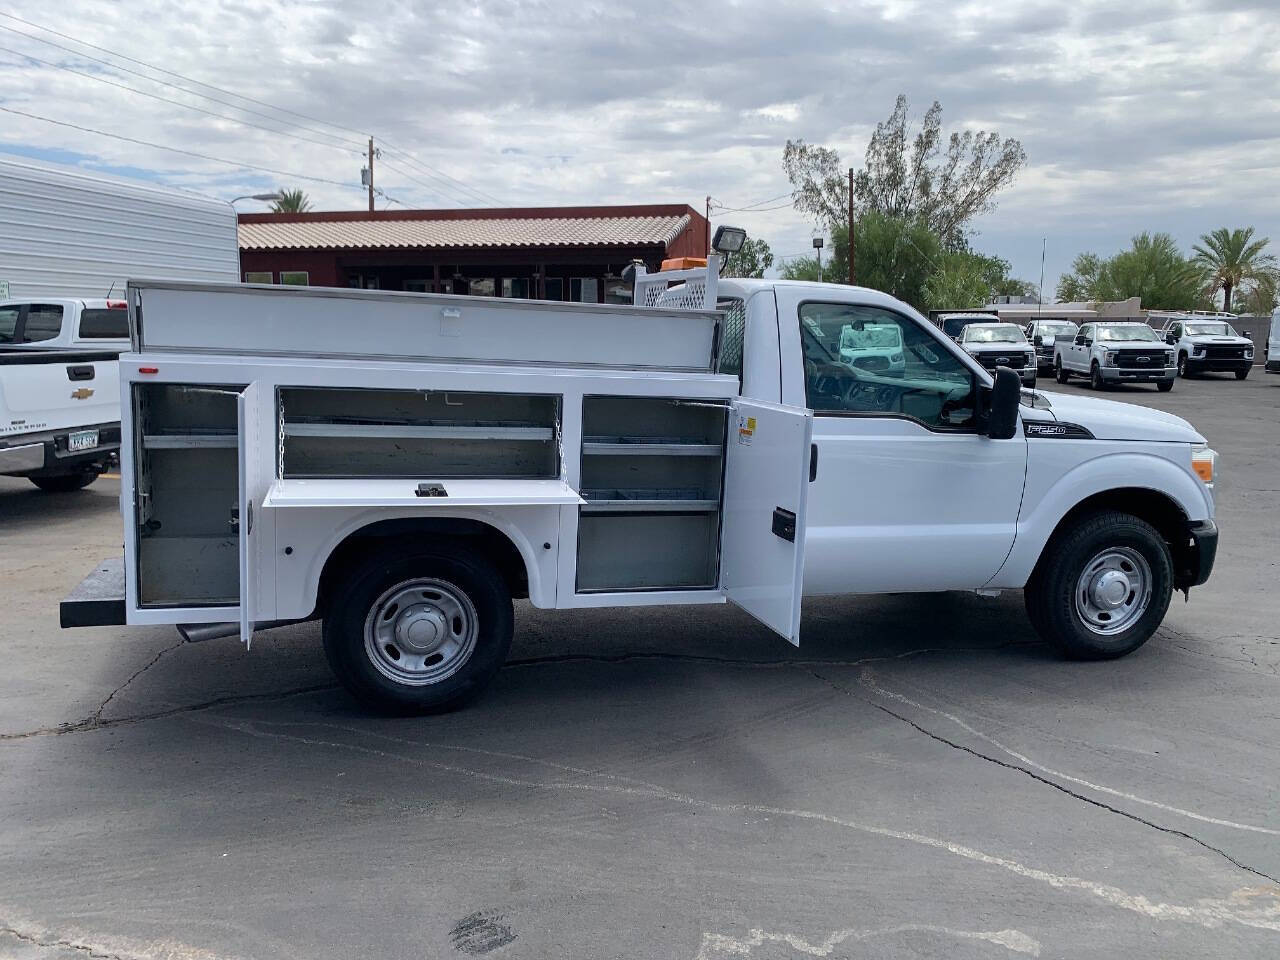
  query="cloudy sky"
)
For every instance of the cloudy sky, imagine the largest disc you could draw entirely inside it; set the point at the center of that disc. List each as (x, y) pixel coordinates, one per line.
(1135, 115)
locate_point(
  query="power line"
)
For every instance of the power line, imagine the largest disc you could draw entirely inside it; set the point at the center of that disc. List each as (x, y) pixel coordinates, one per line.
(439, 174)
(177, 103)
(404, 153)
(462, 199)
(166, 83)
(171, 73)
(752, 207)
(160, 146)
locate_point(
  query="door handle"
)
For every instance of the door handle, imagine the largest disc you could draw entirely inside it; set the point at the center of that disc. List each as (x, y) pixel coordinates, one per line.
(784, 524)
(813, 462)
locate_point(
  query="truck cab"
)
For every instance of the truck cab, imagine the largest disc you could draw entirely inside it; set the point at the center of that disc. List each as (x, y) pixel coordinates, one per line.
(1109, 353)
(617, 456)
(64, 324)
(1043, 334)
(1208, 343)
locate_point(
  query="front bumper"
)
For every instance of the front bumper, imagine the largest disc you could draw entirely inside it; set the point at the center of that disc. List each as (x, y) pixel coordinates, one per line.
(1218, 365)
(1128, 375)
(1273, 366)
(1195, 559)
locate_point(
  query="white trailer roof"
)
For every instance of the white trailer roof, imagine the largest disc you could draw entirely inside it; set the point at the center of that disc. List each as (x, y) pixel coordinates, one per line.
(68, 232)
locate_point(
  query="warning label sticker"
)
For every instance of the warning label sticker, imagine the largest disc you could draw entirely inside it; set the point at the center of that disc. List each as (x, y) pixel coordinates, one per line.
(746, 429)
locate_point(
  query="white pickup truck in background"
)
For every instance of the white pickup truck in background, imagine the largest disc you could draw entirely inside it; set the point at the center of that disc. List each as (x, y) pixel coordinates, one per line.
(586, 455)
(1110, 353)
(64, 324)
(59, 415)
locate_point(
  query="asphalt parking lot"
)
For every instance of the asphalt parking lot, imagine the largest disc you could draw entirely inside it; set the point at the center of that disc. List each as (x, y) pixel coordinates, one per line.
(921, 778)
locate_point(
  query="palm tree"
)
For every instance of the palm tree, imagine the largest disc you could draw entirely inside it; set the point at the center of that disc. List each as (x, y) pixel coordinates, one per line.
(291, 201)
(1232, 258)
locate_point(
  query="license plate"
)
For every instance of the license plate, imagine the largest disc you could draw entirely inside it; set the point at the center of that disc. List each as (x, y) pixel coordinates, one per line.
(82, 440)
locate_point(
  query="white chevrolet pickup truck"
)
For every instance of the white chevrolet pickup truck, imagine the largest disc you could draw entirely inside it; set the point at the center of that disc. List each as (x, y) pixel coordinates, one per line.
(582, 455)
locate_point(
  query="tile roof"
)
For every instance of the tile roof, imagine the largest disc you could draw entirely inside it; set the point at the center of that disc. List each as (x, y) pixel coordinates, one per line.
(496, 232)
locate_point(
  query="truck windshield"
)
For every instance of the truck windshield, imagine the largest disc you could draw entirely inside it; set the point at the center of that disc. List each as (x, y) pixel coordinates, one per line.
(1210, 330)
(1002, 333)
(1128, 331)
(871, 336)
(1055, 329)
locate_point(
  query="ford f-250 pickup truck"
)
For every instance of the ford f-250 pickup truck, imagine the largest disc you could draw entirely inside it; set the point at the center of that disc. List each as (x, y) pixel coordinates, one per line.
(1110, 353)
(471, 450)
(1208, 344)
(59, 415)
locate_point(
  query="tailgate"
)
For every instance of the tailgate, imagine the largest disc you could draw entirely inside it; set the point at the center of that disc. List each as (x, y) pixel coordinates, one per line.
(57, 389)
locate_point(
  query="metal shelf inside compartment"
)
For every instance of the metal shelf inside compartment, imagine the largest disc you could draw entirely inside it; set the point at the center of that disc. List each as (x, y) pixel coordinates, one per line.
(452, 430)
(631, 446)
(648, 500)
(190, 440)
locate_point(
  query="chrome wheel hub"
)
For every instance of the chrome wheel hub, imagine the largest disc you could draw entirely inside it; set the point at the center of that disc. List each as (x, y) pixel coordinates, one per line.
(420, 631)
(1113, 591)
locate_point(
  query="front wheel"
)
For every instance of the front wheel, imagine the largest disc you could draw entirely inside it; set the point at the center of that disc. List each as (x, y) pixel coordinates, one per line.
(419, 632)
(1241, 374)
(65, 482)
(1102, 586)
(1182, 365)
(1059, 373)
(1095, 376)
(1164, 386)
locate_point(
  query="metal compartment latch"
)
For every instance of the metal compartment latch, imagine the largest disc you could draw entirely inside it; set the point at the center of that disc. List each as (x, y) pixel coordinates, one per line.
(784, 524)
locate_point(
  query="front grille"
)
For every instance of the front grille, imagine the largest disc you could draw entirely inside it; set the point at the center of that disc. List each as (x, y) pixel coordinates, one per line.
(1141, 359)
(1015, 360)
(1224, 353)
(872, 363)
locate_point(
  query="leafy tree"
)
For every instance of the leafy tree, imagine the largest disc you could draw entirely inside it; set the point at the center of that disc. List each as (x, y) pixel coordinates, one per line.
(291, 201)
(1152, 268)
(1262, 297)
(1233, 259)
(963, 279)
(908, 176)
(752, 260)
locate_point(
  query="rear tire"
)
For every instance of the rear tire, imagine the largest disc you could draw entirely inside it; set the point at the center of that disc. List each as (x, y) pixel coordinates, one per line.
(1095, 376)
(1059, 372)
(1241, 374)
(65, 482)
(1102, 586)
(419, 632)
(1164, 386)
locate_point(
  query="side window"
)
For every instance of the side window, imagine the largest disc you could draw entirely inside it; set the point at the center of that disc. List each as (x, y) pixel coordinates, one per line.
(870, 361)
(44, 322)
(8, 323)
(1085, 333)
(97, 324)
(732, 332)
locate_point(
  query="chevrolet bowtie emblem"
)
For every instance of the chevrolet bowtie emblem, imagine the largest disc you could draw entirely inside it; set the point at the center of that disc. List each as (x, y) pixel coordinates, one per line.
(84, 393)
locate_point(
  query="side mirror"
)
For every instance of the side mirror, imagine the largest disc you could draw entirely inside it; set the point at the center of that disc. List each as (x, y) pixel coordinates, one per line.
(1248, 334)
(1170, 338)
(1038, 340)
(1002, 415)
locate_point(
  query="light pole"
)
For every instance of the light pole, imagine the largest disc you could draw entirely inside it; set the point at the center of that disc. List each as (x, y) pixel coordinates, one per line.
(817, 245)
(267, 197)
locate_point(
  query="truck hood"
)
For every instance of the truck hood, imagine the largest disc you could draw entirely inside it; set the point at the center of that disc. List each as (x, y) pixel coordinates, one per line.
(1221, 341)
(1112, 420)
(977, 348)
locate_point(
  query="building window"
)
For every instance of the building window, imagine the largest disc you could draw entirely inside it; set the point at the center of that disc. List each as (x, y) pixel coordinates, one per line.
(553, 288)
(583, 290)
(297, 278)
(515, 287)
(259, 276)
(481, 287)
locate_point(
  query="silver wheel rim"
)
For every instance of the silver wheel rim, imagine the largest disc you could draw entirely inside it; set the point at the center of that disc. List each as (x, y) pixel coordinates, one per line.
(420, 632)
(1113, 591)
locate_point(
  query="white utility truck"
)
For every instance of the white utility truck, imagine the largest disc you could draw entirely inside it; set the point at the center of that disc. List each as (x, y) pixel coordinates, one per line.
(1207, 343)
(406, 484)
(994, 344)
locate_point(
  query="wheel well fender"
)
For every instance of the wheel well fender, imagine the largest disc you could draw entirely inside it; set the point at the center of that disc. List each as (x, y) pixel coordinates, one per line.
(1171, 499)
(504, 543)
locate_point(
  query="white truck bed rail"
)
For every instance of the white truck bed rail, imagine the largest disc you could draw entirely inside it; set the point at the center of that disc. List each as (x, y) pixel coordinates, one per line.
(695, 289)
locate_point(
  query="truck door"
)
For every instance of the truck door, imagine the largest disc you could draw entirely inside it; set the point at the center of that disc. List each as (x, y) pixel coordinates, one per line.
(766, 486)
(255, 479)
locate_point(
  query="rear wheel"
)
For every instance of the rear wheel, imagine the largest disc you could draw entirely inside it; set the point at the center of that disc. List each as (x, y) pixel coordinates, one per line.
(1102, 586)
(1059, 373)
(1241, 374)
(65, 482)
(1095, 376)
(419, 633)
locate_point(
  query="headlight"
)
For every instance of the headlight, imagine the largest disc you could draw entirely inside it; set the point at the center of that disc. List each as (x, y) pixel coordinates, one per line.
(1197, 350)
(1248, 353)
(1109, 358)
(896, 358)
(1168, 358)
(1204, 461)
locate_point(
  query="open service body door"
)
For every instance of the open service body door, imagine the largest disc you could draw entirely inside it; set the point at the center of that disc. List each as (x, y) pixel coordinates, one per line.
(766, 485)
(254, 459)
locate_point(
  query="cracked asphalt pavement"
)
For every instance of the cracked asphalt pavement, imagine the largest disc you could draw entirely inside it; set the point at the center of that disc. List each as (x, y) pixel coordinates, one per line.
(922, 778)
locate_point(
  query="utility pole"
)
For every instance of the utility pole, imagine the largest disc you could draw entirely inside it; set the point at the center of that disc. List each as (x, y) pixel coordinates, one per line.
(371, 174)
(851, 273)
